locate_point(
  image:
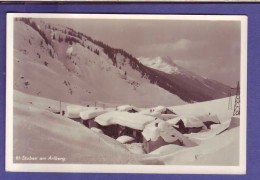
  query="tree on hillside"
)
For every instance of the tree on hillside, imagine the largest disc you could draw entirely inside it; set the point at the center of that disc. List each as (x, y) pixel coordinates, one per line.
(125, 75)
(96, 52)
(60, 39)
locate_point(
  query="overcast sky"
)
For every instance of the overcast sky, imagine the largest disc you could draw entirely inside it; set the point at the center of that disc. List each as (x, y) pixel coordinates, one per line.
(208, 48)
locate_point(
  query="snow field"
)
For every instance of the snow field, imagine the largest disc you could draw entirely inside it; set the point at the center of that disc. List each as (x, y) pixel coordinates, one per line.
(206, 153)
(39, 132)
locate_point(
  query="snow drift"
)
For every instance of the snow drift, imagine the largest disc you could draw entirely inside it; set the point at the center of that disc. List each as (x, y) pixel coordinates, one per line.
(219, 150)
(41, 133)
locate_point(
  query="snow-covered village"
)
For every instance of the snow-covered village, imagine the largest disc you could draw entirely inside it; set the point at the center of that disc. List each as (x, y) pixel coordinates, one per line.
(77, 99)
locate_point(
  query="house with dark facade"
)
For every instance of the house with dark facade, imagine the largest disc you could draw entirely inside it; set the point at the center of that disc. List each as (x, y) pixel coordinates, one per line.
(209, 119)
(88, 116)
(159, 133)
(74, 118)
(117, 123)
(73, 112)
(128, 108)
(163, 110)
(187, 124)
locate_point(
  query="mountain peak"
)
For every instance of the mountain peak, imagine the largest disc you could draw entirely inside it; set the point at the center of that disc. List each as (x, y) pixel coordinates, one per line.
(164, 64)
(83, 70)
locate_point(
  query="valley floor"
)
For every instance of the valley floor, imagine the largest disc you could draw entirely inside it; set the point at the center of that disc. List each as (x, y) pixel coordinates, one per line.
(40, 133)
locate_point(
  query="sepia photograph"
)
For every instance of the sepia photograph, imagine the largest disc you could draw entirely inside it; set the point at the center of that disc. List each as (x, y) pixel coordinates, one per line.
(126, 93)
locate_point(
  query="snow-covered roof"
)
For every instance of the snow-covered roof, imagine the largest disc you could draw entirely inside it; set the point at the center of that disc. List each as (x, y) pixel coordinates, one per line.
(149, 113)
(160, 128)
(215, 129)
(168, 116)
(131, 120)
(194, 120)
(97, 130)
(125, 139)
(188, 121)
(74, 110)
(163, 129)
(160, 108)
(91, 113)
(209, 118)
(126, 108)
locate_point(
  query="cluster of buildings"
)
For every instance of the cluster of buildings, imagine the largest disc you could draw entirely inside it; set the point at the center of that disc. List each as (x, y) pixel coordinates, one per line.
(153, 127)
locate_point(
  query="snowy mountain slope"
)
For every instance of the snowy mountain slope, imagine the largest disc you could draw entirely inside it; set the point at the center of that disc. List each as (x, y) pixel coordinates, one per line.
(161, 63)
(89, 71)
(187, 83)
(56, 62)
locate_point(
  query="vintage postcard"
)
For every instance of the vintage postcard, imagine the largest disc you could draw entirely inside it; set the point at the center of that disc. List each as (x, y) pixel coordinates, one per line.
(126, 93)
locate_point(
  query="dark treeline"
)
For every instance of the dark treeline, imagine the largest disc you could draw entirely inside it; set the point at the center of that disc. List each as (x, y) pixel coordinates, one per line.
(35, 27)
(70, 40)
(177, 85)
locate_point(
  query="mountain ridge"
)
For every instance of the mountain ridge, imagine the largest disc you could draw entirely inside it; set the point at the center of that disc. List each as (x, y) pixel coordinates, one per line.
(190, 82)
(87, 63)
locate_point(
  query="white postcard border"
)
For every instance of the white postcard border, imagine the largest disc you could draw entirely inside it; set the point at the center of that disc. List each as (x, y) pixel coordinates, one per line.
(101, 168)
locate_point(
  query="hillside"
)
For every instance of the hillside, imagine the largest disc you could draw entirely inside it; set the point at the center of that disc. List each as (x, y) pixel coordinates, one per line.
(187, 84)
(56, 62)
